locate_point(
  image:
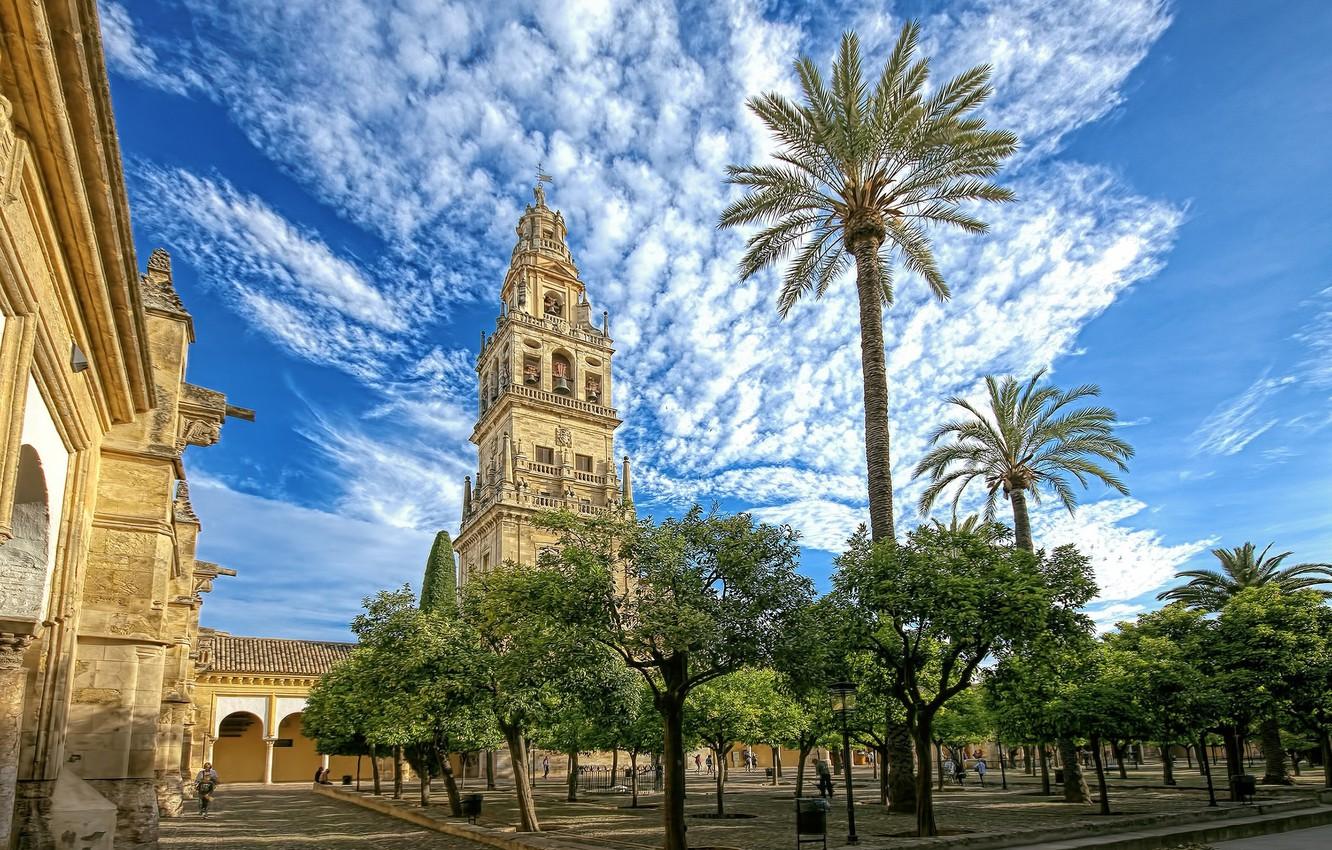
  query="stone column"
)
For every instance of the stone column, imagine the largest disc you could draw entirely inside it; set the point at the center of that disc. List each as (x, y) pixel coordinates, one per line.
(11, 724)
(323, 761)
(208, 748)
(268, 760)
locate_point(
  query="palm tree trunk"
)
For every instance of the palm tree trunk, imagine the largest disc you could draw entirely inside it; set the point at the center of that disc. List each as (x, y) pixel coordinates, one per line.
(901, 771)
(1021, 520)
(1274, 756)
(874, 371)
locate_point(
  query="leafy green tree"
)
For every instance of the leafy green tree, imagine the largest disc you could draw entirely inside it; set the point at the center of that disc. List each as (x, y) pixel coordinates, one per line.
(1267, 646)
(1024, 440)
(439, 587)
(682, 603)
(726, 710)
(634, 727)
(580, 702)
(933, 609)
(1160, 653)
(1241, 568)
(965, 719)
(1098, 701)
(863, 169)
(338, 711)
(523, 656)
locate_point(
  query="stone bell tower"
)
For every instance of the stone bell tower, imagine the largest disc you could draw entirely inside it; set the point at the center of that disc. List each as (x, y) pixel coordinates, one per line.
(545, 432)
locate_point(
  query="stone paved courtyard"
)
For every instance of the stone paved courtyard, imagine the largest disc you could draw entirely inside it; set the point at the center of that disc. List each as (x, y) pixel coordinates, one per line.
(291, 817)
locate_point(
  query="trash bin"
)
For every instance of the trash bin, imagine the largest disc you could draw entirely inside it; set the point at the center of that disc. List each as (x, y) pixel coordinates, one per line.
(811, 820)
(767, 771)
(471, 806)
(1059, 776)
(346, 779)
(1245, 785)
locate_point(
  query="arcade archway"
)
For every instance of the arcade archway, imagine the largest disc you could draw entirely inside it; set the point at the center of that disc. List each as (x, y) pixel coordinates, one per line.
(238, 753)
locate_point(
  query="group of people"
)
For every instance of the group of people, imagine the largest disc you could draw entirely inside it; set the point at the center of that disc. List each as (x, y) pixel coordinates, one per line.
(747, 757)
(957, 770)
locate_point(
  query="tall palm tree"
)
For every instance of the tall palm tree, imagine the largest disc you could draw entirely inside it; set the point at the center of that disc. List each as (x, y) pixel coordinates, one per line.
(1028, 439)
(1210, 590)
(860, 173)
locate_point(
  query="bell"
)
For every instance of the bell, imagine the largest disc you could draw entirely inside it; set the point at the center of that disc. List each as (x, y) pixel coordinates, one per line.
(561, 385)
(594, 395)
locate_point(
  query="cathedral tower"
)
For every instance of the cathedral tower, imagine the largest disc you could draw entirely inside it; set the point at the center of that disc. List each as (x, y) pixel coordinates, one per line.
(545, 431)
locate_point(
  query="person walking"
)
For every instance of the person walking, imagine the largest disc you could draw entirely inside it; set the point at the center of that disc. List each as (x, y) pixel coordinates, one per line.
(545, 767)
(960, 772)
(698, 763)
(949, 769)
(825, 778)
(709, 764)
(205, 783)
(981, 767)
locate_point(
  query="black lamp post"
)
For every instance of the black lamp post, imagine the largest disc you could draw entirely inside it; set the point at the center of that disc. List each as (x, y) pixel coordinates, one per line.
(844, 703)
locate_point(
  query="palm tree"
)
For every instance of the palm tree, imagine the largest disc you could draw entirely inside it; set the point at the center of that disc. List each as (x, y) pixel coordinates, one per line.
(1210, 590)
(860, 173)
(1029, 439)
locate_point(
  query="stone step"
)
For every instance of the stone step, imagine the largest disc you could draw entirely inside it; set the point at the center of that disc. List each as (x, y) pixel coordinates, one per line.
(1234, 827)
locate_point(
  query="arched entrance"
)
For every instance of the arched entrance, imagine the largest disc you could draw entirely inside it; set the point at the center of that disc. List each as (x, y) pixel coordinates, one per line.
(25, 559)
(294, 755)
(238, 753)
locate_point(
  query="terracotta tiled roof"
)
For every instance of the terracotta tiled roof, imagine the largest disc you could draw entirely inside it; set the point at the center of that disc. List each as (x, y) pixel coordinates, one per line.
(221, 653)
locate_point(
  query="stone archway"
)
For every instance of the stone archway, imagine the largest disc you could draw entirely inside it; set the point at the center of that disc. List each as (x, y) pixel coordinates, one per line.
(239, 751)
(25, 561)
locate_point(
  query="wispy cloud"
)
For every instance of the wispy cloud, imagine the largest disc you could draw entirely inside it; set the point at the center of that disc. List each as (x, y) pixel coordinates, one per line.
(1239, 421)
(418, 124)
(1316, 336)
(131, 54)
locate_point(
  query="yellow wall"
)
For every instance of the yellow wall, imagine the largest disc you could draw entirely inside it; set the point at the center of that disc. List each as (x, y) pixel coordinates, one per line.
(241, 759)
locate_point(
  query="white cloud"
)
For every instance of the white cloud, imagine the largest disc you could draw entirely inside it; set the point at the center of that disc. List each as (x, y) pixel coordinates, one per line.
(1129, 562)
(284, 554)
(1239, 421)
(1317, 338)
(129, 54)
(1106, 617)
(420, 123)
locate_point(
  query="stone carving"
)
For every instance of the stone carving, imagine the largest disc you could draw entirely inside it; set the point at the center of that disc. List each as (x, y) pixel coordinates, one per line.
(563, 436)
(12, 647)
(199, 432)
(12, 150)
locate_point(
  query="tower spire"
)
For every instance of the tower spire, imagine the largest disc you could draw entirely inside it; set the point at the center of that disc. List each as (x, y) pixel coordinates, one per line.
(540, 190)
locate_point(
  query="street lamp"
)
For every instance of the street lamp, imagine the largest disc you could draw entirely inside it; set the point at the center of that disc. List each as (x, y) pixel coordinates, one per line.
(844, 703)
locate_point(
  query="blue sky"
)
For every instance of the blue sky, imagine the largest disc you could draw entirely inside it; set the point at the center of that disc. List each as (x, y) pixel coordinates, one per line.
(338, 181)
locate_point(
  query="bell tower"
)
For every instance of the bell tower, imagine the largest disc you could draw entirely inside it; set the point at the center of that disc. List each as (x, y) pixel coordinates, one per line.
(545, 430)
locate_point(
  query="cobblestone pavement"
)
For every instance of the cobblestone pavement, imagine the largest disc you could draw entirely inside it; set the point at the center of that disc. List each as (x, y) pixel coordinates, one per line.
(290, 817)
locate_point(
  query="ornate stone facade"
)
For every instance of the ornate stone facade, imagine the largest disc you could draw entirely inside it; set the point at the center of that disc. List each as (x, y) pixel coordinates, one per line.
(99, 585)
(545, 434)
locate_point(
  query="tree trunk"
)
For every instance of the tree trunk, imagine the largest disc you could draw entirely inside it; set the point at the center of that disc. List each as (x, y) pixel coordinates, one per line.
(901, 772)
(1295, 762)
(1045, 770)
(1234, 758)
(874, 372)
(776, 764)
(397, 773)
(1021, 520)
(1075, 787)
(615, 768)
(671, 706)
(571, 781)
(1188, 756)
(425, 786)
(1274, 755)
(938, 763)
(1100, 774)
(527, 815)
(374, 769)
(633, 779)
(1029, 760)
(1325, 746)
(358, 771)
(1167, 765)
(1118, 749)
(450, 784)
(800, 768)
(721, 780)
(490, 770)
(925, 825)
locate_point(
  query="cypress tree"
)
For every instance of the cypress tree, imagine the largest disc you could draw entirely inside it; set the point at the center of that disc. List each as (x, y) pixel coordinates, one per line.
(439, 588)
